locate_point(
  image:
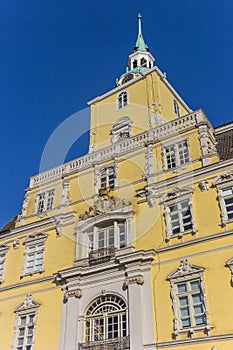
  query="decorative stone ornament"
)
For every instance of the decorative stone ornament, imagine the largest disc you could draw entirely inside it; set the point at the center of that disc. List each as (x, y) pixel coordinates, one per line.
(104, 203)
(203, 185)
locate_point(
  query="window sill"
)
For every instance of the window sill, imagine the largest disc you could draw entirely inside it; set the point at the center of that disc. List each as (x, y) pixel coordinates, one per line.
(31, 273)
(181, 234)
(190, 331)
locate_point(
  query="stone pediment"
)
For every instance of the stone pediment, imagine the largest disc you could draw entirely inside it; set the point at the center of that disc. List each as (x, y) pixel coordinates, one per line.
(185, 269)
(176, 193)
(35, 237)
(223, 178)
(104, 204)
(27, 304)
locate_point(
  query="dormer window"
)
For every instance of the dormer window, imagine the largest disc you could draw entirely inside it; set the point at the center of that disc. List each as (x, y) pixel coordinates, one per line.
(122, 100)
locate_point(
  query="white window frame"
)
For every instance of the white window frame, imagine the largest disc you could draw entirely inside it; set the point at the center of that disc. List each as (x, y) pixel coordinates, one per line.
(109, 178)
(176, 107)
(108, 235)
(34, 241)
(179, 156)
(3, 251)
(102, 314)
(24, 312)
(122, 100)
(44, 201)
(177, 197)
(124, 213)
(185, 274)
(224, 182)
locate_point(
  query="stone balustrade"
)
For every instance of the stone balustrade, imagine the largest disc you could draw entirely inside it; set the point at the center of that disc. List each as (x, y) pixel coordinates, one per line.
(154, 135)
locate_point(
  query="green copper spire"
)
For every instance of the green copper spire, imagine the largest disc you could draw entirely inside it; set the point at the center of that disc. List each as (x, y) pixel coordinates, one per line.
(140, 43)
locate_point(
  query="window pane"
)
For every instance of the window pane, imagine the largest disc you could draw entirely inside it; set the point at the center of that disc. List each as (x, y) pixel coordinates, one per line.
(198, 309)
(183, 301)
(186, 322)
(182, 288)
(227, 191)
(185, 311)
(197, 298)
(195, 285)
(200, 320)
(23, 320)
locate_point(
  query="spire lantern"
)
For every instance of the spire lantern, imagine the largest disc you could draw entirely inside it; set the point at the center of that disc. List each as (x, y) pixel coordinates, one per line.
(140, 60)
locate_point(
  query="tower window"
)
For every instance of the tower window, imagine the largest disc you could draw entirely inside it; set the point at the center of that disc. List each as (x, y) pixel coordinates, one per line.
(143, 62)
(176, 107)
(122, 100)
(135, 64)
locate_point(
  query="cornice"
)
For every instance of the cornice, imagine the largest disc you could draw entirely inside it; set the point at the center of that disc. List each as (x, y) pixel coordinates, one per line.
(200, 340)
(195, 241)
(24, 284)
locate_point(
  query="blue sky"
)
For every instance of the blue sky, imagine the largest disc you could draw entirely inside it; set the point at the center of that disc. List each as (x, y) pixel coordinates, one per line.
(56, 55)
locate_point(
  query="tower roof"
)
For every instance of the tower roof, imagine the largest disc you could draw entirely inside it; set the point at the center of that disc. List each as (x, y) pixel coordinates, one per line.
(140, 43)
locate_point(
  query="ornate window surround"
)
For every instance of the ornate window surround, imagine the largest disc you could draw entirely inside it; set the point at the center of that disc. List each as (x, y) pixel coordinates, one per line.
(223, 182)
(187, 272)
(29, 307)
(122, 100)
(173, 197)
(36, 240)
(124, 213)
(3, 250)
(175, 143)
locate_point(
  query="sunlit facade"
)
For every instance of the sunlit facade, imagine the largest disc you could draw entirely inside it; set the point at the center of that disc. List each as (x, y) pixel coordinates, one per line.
(130, 246)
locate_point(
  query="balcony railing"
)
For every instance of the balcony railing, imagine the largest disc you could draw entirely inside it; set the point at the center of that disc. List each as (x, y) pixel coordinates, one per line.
(110, 344)
(156, 134)
(101, 255)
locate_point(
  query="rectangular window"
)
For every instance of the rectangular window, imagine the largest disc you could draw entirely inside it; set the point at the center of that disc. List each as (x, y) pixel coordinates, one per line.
(180, 217)
(25, 332)
(176, 107)
(41, 203)
(45, 201)
(107, 178)
(228, 201)
(176, 155)
(2, 265)
(34, 258)
(103, 241)
(191, 304)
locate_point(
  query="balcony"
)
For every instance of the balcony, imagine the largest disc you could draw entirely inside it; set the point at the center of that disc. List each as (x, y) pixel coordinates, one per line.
(101, 255)
(110, 344)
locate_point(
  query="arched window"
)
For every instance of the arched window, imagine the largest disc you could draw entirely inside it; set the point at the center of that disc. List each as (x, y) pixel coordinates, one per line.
(122, 100)
(106, 319)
